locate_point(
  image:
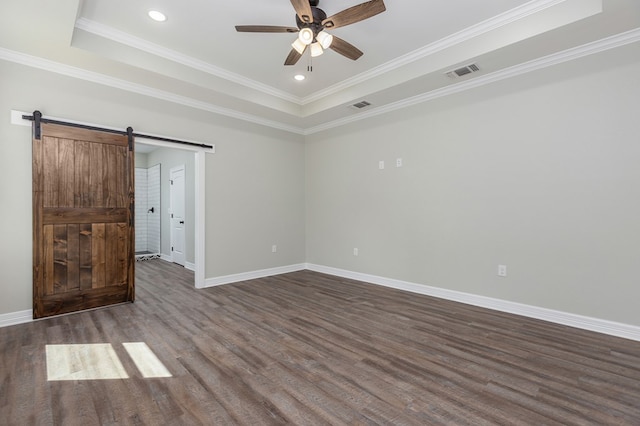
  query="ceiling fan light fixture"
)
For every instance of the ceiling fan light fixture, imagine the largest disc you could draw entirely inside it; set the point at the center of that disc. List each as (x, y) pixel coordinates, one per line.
(325, 39)
(306, 36)
(316, 50)
(299, 46)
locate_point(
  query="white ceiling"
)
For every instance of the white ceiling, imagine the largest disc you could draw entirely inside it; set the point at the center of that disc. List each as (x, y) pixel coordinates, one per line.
(196, 58)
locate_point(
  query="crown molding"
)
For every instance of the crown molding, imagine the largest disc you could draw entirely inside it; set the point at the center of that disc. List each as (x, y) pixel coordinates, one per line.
(186, 60)
(448, 42)
(94, 77)
(506, 18)
(618, 40)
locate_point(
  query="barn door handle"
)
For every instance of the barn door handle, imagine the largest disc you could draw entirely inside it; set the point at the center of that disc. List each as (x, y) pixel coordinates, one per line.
(182, 222)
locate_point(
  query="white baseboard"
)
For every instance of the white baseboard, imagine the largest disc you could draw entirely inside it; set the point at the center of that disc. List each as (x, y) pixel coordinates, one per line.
(14, 318)
(188, 265)
(573, 320)
(228, 279)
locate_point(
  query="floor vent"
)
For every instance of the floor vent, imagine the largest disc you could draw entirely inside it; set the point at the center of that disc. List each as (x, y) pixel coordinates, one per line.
(459, 72)
(361, 104)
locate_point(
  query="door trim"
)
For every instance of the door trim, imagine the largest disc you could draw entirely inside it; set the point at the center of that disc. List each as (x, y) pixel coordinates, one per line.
(199, 203)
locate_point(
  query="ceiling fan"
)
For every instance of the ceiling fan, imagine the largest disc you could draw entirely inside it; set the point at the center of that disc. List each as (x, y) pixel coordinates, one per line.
(311, 25)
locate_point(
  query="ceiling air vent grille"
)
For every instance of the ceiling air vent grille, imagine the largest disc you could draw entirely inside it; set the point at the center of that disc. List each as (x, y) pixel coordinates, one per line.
(459, 72)
(361, 104)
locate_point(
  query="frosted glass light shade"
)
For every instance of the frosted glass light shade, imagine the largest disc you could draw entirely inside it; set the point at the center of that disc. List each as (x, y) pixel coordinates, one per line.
(325, 39)
(299, 46)
(306, 36)
(316, 50)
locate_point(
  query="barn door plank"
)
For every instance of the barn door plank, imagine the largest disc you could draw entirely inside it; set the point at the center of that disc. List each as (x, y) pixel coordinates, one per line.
(66, 173)
(73, 257)
(98, 256)
(85, 256)
(59, 258)
(82, 175)
(48, 260)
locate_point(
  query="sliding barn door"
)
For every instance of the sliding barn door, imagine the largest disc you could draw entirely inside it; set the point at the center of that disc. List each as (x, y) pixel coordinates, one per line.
(83, 241)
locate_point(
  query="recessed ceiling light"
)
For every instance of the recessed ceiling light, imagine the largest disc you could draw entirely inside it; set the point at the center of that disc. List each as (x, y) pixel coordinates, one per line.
(299, 77)
(157, 16)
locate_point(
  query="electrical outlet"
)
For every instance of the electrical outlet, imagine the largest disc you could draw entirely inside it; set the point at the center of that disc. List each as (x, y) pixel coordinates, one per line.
(274, 248)
(502, 270)
(355, 251)
(381, 164)
(398, 162)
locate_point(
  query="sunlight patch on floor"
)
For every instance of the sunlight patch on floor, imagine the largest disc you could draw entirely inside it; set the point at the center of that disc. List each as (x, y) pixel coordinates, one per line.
(99, 361)
(83, 362)
(146, 361)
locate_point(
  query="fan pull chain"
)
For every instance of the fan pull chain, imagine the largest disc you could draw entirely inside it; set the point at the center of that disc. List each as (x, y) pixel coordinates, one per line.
(310, 64)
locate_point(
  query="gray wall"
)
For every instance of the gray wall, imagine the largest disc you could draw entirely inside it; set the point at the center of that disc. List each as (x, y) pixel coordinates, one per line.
(540, 173)
(250, 202)
(141, 160)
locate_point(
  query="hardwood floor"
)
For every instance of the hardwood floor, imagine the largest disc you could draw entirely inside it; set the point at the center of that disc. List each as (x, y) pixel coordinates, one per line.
(306, 348)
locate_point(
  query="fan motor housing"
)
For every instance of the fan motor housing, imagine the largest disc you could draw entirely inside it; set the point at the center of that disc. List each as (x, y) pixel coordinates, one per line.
(318, 17)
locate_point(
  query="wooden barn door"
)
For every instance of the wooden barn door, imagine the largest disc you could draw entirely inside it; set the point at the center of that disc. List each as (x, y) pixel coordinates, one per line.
(83, 241)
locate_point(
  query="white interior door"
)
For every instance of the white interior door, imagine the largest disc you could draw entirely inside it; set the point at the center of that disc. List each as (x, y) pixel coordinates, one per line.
(177, 214)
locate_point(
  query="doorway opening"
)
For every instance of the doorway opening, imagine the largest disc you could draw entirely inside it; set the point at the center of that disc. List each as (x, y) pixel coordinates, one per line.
(147, 221)
(149, 153)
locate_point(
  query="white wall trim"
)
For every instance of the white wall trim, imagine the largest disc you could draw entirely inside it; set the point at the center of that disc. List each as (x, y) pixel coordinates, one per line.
(94, 77)
(598, 46)
(244, 276)
(618, 40)
(180, 58)
(448, 42)
(506, 18)
(14, 318)
(200, 218)
(573, 320)
(187, 265)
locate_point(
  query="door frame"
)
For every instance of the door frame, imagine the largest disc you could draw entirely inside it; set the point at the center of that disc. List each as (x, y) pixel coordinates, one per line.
(199, 202)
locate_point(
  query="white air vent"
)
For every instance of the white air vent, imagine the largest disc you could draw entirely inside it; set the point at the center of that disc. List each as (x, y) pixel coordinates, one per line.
(459, 72)
(361, 104)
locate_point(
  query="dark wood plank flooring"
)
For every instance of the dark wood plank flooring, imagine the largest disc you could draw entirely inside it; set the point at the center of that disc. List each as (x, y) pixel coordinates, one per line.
(310, 349)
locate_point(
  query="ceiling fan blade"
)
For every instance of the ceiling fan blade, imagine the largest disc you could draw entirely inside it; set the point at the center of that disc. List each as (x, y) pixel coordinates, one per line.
(345, 49)
(355, 14)
(264, 29)
(293, 57)
(303, 10)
